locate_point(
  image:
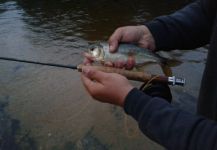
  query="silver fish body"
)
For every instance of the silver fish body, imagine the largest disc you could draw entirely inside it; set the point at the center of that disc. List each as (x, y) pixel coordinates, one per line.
(100, 52)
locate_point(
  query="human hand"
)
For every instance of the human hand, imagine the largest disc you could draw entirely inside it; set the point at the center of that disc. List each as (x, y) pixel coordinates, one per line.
(88, 59)
(105, 87)
(139, 35)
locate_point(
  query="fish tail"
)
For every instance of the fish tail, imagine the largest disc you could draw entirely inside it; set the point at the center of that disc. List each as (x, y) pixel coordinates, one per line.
(166, 65)
(163, 60)
(166, 70)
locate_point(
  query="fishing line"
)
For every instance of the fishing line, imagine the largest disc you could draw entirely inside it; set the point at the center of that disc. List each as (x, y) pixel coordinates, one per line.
(38, 63)
(148, 84)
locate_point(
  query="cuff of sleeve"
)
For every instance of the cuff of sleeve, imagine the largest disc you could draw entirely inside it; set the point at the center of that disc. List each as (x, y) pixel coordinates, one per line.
(134, 101)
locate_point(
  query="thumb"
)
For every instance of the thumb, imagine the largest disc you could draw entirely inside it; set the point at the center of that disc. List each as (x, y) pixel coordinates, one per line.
(113, 45)
(114, 40)
(94, 74)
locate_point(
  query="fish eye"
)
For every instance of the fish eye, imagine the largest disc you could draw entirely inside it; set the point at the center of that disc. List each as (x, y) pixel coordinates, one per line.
(92, 48)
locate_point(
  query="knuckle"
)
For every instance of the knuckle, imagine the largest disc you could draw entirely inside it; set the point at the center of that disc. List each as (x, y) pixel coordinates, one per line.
(118, 30)
(92, 74)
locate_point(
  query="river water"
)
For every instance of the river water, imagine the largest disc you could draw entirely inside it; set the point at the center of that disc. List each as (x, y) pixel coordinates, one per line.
(47, 108)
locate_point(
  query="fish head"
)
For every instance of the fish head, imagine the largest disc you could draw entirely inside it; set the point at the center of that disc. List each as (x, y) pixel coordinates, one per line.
(96, 51)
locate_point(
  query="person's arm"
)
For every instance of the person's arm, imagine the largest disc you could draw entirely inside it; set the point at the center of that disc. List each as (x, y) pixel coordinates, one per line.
(170, 126)
(187, 28)
(162, 122)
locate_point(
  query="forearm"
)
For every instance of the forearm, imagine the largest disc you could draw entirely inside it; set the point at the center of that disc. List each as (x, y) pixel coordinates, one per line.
(187, 28)
(169, 126)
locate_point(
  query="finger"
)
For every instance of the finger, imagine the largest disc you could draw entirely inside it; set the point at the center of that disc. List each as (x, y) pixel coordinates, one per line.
(94, 74)
(87, 61)
(88, 56)
(114, 40)
(130, 63)
(119, 64)
(109, 64)
(91, 86)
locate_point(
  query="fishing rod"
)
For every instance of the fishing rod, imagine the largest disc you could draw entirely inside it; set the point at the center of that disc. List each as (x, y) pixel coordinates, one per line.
(131, 75)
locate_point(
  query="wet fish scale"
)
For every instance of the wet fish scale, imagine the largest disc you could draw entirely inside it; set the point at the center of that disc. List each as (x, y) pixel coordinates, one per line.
(100, 52)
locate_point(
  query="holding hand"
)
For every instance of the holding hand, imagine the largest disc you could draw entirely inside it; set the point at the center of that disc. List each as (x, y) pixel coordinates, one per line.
(139, 35)
(106, 87)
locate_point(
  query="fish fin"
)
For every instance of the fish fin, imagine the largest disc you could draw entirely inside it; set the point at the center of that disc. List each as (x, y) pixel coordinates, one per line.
(166, 65)
(166, 70)
(163, 60)
(140, 67)
(102, 62)
(167, 59)
(144, 64)
(173, 62)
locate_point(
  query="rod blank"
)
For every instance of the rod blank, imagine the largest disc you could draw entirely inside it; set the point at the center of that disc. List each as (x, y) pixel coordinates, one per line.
(131, 75)
(38, 63)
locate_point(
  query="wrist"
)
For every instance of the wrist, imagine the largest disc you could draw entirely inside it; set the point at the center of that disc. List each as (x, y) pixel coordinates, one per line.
(124, 93)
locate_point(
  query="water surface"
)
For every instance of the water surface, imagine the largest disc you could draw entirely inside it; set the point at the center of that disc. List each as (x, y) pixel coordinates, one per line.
(48, 108)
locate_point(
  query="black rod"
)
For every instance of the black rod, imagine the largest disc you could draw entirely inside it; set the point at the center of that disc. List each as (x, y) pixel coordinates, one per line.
(39, 63)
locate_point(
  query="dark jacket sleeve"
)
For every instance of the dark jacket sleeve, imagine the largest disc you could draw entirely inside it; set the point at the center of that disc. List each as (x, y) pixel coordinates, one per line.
(170, 126)
(187, 28)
